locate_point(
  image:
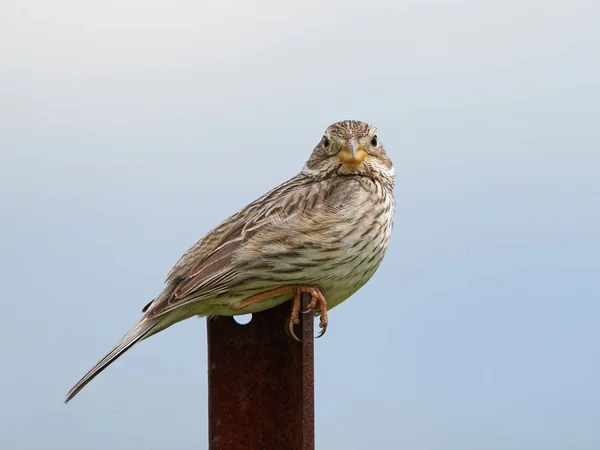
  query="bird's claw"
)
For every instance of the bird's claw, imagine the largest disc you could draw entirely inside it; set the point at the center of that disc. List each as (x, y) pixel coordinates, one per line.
(316, 298)
(323, 326)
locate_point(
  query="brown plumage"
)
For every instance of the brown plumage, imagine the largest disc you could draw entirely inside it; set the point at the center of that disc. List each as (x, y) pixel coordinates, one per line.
(328, 228)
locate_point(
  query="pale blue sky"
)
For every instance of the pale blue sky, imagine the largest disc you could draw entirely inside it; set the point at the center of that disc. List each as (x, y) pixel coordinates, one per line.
(130, 128)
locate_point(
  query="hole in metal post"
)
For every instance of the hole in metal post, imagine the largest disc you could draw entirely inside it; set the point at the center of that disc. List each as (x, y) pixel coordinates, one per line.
(243, 319)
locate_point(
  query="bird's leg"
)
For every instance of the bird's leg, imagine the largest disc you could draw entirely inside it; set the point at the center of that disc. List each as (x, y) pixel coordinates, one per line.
(256, 298)
(317, 297)
(296, 289)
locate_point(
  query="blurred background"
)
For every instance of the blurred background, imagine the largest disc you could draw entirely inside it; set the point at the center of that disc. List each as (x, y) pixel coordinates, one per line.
(128, 129)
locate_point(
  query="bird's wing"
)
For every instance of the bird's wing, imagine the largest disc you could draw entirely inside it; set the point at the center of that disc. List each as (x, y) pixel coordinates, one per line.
(210, 267)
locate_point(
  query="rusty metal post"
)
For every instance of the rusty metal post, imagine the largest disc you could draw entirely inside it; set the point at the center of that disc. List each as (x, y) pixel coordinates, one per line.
(260, 383)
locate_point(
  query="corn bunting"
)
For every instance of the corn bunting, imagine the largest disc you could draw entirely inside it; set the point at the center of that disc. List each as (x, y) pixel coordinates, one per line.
(323, 232)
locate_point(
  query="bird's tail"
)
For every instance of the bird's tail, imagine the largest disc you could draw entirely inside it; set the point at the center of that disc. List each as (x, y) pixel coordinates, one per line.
(140, 331)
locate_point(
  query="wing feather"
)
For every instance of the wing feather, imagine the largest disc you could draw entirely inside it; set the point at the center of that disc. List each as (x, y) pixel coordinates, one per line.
(210, 267)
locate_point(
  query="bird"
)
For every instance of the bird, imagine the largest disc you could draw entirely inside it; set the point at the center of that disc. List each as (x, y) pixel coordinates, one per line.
(323, 232)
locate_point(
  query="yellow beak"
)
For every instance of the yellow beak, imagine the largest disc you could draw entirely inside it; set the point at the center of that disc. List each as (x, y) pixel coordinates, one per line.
(352, 153)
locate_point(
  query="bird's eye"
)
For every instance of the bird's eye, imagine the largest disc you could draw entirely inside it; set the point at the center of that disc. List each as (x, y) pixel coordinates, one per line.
(374, 141)
(326, 142)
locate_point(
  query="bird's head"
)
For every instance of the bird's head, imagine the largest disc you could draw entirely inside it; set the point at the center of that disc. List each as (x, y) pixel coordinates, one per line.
(349, 147)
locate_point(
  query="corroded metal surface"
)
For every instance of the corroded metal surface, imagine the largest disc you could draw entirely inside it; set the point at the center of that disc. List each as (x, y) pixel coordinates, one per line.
(261, 383)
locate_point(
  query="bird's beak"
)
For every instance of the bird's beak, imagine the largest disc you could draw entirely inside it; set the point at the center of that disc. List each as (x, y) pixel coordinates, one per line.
(352, 153)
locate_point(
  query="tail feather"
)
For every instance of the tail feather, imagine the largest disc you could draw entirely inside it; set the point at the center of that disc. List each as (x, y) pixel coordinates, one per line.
(140, 331)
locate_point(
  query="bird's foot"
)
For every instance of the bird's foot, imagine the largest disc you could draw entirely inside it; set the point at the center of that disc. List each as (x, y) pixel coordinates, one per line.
(317, 297)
